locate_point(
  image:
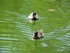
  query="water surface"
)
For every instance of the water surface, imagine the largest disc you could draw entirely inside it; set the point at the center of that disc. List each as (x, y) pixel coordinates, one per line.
(16, 31)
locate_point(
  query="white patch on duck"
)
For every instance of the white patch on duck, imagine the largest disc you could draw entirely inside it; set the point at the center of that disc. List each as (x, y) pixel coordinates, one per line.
(33, 16)
(38, 34)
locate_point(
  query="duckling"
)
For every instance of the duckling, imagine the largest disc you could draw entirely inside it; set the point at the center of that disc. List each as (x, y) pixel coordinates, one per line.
(33, 16)
(38, 35)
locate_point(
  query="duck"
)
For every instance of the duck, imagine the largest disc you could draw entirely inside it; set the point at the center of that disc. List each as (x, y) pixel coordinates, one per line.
(38, 34)
(33, 16)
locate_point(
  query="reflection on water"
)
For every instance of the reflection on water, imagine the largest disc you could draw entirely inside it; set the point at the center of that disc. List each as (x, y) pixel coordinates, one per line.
(16, 31)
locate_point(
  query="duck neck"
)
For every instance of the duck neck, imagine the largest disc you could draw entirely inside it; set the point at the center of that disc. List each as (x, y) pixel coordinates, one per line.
(36, 34)
(34, 15)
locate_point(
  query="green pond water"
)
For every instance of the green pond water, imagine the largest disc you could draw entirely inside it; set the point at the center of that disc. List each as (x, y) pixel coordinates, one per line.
(16, 31)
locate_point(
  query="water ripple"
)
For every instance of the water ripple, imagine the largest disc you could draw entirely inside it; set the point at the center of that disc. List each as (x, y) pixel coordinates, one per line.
(64, 38)
(2, 38)
(15, 13)
(44, 44)
(4, 49)
(63, 29)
